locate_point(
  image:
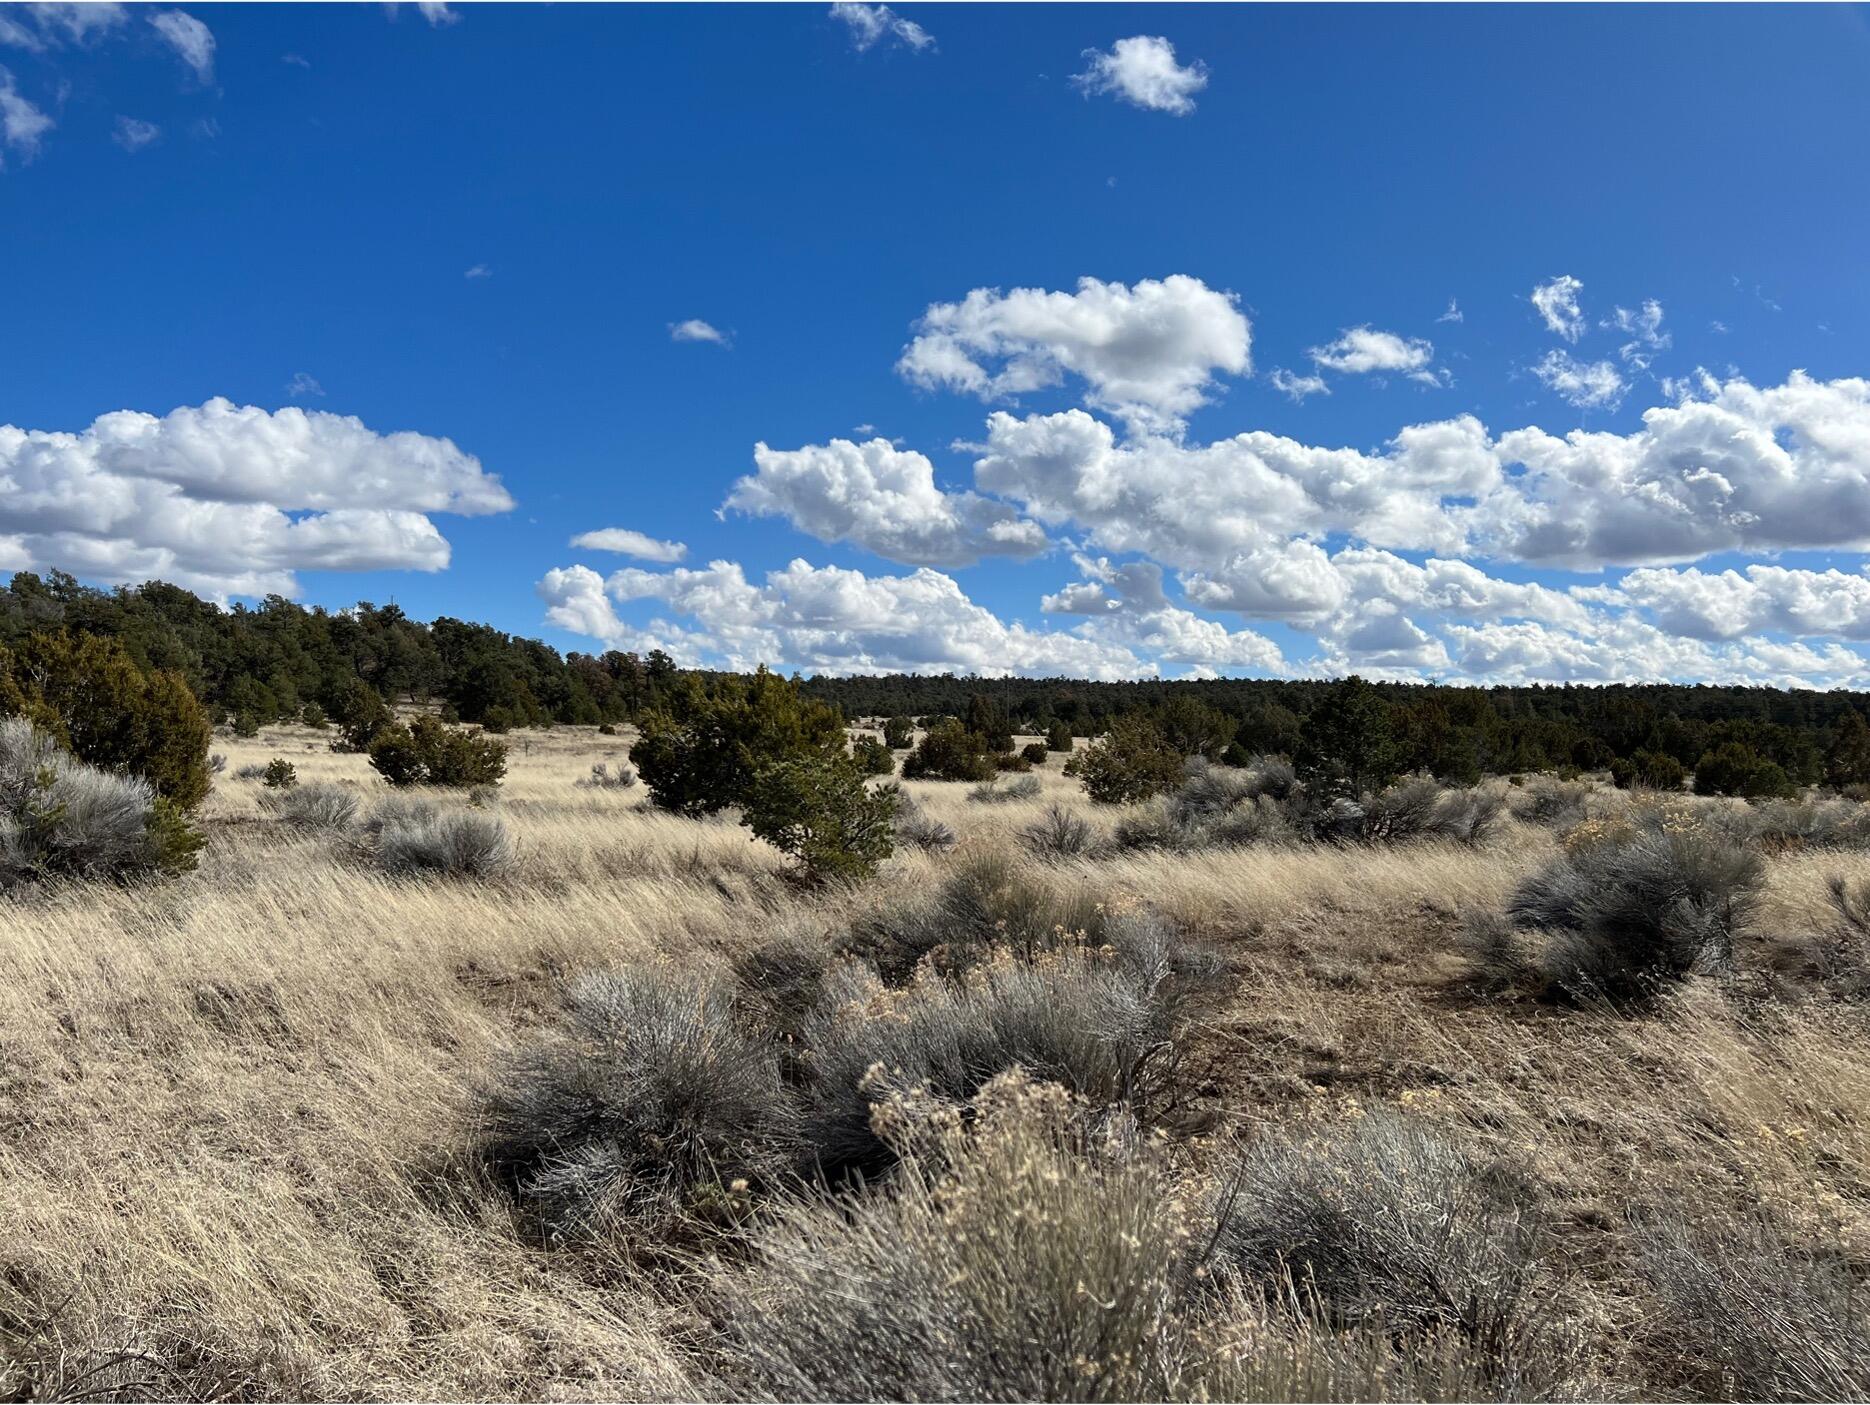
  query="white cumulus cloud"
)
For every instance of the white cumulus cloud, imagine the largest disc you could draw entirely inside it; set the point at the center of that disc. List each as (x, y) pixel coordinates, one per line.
(1363, 350)
(1142, 70)
(230, 499)
(822, 619)
(883, 499)
(1147, 353)
(1297, 386)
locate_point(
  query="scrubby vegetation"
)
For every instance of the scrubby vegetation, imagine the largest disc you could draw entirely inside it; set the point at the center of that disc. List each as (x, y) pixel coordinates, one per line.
(1306, 1071)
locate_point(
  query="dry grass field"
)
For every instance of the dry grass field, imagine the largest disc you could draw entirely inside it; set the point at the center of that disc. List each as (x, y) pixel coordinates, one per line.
(244, 1115)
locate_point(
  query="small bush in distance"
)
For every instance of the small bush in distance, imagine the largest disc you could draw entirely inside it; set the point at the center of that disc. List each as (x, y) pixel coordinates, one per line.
(818, 811)
(60, 818)
(1024, 788)
(1132, 761)
(451, 843)
(1058, 737)
(279, 774)
(603, 778)
(1650, 770)
(1734, 768)
(427, 752)
(898, 733)
(313, 716)
(320, 805)
(949, 752)
(873, 757)
(1034, 753)
(654, 1090)
(987, 900)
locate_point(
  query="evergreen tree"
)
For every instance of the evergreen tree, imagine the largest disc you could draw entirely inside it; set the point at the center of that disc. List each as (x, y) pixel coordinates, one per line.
(1349, 740)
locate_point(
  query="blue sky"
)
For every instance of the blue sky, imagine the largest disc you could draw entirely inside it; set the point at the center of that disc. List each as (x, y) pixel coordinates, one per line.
(478, 232)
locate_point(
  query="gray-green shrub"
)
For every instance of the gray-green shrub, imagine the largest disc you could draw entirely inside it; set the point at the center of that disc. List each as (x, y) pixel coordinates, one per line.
(320, 805)
(1100, 1022)
(993, 792)
(453, 843)
(1750, 1317)
(998, 1263)
(654, 1089)
(60, 818)
(1622, 914)
(1384, 1221)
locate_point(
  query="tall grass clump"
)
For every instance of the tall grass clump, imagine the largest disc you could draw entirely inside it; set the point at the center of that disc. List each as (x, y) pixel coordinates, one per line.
(1059, 834)
(60, 818)
(1628, 909)
(1835, 959)
(1746, 1316)
(917, 829)
(320, 805)
(1810, 823)
(654, 1092)
(419, 838)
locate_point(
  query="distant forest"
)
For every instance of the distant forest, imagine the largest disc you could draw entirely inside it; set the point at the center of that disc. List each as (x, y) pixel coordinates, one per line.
(251, 666)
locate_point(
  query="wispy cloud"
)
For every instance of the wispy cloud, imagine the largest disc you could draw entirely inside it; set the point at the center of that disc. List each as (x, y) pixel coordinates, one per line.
(1557, 304)
(22, 125)
(1297, 386)
(694, 329)
(192, 40)
(871, 25)
(133, 133)
(626, 542)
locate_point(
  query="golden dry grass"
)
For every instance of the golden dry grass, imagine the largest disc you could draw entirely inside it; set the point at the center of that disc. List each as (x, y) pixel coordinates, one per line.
(237, 1107)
